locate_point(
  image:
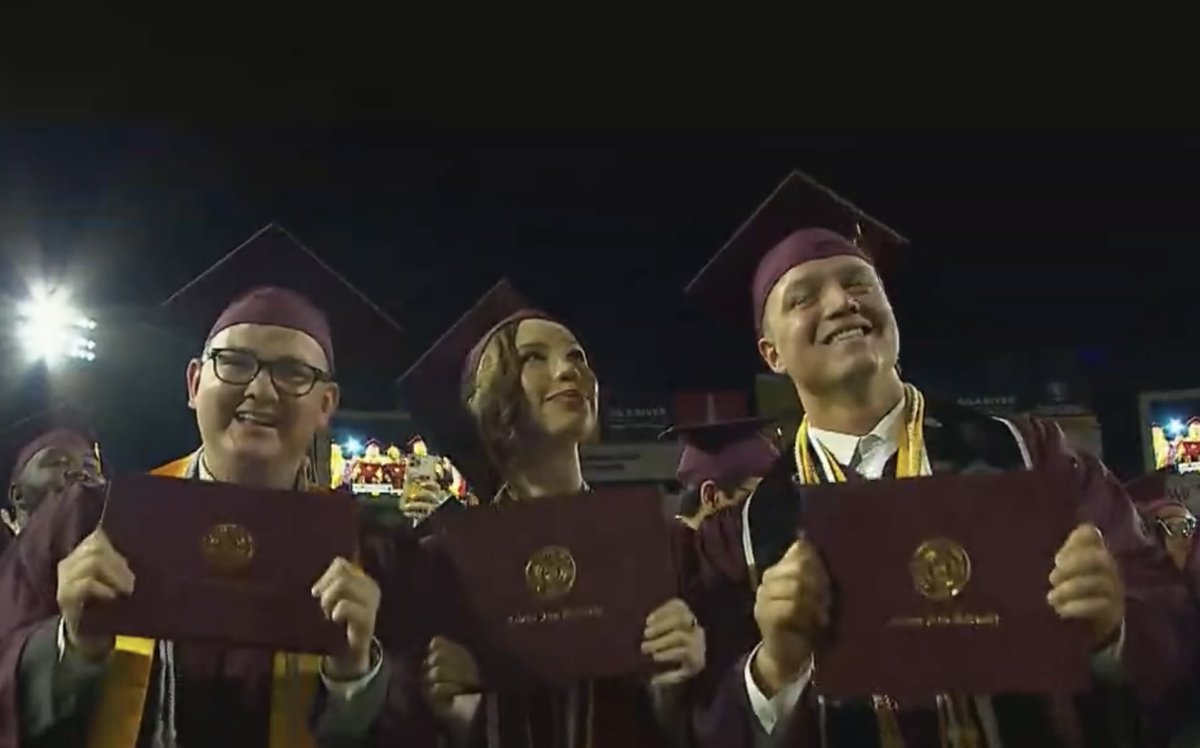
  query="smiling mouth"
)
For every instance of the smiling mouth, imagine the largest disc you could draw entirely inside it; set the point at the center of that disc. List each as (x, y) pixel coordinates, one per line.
(262, 420)
(847, 333)
(570, 397)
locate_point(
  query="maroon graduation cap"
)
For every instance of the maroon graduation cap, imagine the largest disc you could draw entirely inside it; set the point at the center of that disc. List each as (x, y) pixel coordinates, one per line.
(1149, 492)
(60, 426)
(801, 221)
(305, 294)
(723, 451)
(434, 388)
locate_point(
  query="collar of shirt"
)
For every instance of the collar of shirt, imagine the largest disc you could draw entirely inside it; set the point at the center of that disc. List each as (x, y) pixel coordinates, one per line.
(201, 471)
(844, 446)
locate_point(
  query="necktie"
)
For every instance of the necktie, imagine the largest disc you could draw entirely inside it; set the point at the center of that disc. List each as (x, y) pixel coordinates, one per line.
(865, 445)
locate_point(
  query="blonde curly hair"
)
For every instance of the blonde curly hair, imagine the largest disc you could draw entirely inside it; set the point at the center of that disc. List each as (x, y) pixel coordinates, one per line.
(494, 396)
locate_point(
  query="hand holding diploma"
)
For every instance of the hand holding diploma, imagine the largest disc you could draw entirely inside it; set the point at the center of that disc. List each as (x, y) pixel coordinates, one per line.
(450, 670)
(674, 637)
(1086, 584)
(349, 598)
(93, 571)
(791, 607)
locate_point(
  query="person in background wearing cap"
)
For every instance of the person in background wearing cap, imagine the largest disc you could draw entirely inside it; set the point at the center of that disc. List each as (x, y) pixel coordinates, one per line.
(45, 465)
(823, 318)
(261, 387)
(519, 384)
(1169, 522)
(720, 465)
(1166, 517)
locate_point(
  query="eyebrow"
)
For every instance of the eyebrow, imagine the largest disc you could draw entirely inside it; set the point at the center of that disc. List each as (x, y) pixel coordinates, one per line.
(541, 347)
(803, 283)
(286, 358)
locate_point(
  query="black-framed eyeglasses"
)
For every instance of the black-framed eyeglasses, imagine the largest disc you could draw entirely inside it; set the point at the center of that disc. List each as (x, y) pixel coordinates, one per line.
(290, 377)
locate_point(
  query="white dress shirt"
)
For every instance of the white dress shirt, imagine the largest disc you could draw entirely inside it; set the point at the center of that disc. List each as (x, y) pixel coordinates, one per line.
(869, 455)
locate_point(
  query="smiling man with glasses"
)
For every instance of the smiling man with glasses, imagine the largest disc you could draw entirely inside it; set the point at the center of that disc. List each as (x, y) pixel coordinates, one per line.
(262, 388)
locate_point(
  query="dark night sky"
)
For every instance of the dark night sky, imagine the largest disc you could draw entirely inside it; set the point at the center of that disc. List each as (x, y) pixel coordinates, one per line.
(1021, 239)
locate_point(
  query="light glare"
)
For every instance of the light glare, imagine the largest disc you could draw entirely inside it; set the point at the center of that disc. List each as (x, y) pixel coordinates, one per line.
(51, 329)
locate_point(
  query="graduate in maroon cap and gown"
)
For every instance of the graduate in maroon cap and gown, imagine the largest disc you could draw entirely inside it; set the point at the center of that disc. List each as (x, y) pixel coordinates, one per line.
(720, 464)
(509, 393)
(1171, 523)
(261, 387)
(822, 318)
(47, 452)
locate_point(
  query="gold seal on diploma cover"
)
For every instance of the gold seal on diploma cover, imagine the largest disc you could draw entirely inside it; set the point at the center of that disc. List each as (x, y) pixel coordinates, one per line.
(228, 547)
(940, 569)
(550, 572)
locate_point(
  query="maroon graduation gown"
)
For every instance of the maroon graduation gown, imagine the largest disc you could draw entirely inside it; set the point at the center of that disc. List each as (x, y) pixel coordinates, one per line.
(1160, 621)
(223, 693)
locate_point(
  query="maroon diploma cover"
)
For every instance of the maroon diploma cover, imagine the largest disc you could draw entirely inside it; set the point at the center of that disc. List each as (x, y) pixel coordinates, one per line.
(558, 590)
(223, 563)
(940, 583)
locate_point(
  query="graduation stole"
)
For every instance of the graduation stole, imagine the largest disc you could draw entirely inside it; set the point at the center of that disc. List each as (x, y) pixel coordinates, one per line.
(117, 716)
(955, 722)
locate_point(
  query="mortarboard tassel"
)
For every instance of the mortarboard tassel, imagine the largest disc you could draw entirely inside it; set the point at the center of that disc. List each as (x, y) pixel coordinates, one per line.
(890, 735)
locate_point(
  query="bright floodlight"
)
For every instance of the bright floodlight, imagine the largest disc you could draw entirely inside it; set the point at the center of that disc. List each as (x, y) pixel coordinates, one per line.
(50, 329)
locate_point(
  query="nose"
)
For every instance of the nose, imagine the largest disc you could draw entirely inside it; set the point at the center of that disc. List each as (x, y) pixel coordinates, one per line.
(566, 369)
(261, 387)
(837, 301)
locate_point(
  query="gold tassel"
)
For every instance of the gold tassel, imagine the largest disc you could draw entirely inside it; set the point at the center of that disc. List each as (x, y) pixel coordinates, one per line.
(957, 723)
(890, 735)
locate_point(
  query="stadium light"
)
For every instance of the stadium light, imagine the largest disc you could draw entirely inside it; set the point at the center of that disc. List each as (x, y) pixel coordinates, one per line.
(51, 329)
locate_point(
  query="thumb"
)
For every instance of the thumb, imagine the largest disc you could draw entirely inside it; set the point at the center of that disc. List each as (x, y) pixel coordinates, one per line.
(795, 550)
(100, 538)
(800, 550)
(1086, 534)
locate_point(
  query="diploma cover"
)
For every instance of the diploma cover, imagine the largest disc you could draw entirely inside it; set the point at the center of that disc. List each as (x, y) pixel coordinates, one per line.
(224, 563)
(940, 583)
(557, 590)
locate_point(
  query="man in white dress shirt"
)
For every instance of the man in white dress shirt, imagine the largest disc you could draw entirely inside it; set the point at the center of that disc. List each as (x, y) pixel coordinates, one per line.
(822, 317)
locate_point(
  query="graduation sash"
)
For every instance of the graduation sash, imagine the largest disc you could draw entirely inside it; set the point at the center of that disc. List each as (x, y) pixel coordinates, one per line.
(117, 716)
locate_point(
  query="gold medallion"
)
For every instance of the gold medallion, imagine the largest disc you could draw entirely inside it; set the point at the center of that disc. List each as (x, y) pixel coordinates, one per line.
(228, 547)
(940, 569)
(550, 572)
